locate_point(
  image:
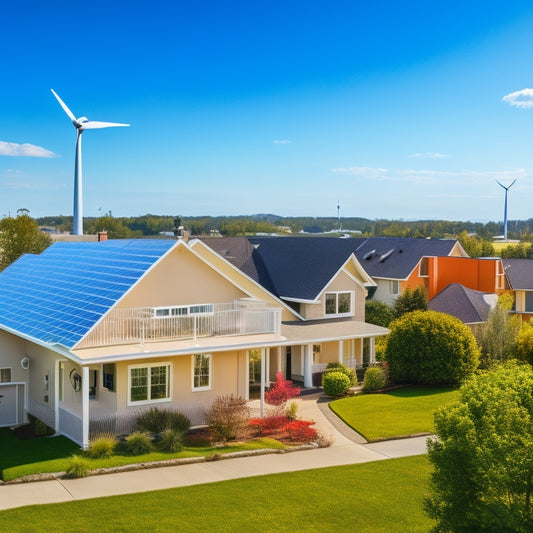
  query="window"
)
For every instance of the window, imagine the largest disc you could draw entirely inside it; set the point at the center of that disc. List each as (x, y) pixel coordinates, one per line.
(423, 268)
(317, 348)
(5, 375)
(108, 376)
(339, 303)
(201, 378)
(183, 310)
(149, 383)
(529, 302)
(395, 287)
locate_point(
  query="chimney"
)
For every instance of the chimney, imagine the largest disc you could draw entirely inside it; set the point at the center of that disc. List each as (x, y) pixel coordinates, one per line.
(102, 236)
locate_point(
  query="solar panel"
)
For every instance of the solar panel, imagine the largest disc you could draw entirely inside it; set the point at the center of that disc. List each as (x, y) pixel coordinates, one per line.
(57, 296)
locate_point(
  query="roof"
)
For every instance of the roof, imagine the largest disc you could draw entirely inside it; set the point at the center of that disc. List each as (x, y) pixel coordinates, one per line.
(519, 273)
(468, 305)
(58, 296)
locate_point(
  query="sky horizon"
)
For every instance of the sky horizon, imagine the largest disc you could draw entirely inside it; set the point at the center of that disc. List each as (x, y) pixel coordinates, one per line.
(397, 111)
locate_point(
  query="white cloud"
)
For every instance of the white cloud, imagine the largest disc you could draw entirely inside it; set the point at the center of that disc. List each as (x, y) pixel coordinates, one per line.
(522, 99)
(282, 141)
(429, 155)
(24, 150)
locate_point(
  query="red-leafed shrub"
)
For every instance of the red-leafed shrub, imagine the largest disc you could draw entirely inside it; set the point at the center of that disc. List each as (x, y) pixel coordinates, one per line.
(281, 391)
(300, 431)
(283, 428)
(269, 425)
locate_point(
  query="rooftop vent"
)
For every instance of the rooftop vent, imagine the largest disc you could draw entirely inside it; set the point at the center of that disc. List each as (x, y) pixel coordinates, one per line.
(386, 255)
(369, 255)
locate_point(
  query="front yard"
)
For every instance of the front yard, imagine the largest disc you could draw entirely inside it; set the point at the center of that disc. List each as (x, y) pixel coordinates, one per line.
(400, 412)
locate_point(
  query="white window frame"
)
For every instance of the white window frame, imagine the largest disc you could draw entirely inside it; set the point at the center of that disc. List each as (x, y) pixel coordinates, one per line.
(149, 366)
(10, 380)
(172, 310)
(424, 262)
(395, 283)
(193, 368)
(336, 293)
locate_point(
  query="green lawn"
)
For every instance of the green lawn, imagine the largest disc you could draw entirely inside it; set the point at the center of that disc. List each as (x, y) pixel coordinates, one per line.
(52, 454)
(401, 412)
(383, 496)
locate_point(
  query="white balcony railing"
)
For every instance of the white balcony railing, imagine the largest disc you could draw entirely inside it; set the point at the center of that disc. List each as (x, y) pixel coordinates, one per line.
(139, 325)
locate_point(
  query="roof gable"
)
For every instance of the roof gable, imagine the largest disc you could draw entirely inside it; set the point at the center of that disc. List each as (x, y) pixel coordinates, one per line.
(519, 273)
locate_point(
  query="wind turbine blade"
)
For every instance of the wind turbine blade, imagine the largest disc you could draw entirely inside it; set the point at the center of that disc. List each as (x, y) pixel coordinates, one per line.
(512, 184)
(64, 106)
(95, 125)
(502, 186)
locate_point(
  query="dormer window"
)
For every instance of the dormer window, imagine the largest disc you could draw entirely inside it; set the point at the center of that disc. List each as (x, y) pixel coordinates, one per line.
(339, 303)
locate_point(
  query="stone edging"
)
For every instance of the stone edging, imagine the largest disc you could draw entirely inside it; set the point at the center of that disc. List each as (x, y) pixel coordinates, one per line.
(160, 464)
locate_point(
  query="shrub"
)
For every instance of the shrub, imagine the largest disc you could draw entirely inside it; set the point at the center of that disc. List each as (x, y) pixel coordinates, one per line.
(430, 348)
(349, 372)
(378, 313)
(78, 467)
(292, 411)
(171, 441)
(300, 431)
(335, 383)
(138, 443)
(375, 379)
(281, 391)
(228, 417)
(155, 420)
(269, 425)
(524, 343)
(102, 446)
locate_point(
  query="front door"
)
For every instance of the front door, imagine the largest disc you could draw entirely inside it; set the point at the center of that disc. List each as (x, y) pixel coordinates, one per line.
(8, 405)
(288, 366)
(93, 380)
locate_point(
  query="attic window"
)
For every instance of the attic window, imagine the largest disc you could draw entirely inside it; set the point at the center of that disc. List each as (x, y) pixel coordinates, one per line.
(423, 270)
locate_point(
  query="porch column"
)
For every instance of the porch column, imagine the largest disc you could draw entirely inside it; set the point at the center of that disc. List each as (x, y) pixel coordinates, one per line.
(341, 352)
(247, 376)
(308, 369)
(85, 407)
(266, 351)
(372, 354)
(56, 395)
(278, 365)
(263, 368)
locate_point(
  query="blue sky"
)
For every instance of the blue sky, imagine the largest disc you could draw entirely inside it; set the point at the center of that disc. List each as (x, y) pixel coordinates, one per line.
(394, 108)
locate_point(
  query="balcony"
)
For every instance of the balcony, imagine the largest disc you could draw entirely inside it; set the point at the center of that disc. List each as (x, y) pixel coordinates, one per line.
(148, 324)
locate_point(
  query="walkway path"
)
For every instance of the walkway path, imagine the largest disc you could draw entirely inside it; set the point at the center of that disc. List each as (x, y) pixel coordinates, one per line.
(343, 452)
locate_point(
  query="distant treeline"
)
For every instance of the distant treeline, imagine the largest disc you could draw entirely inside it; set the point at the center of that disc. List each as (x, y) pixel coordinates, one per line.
(266, 223)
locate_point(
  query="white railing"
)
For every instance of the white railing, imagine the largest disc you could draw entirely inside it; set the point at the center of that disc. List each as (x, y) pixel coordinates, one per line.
(70, 425)
(140, 324)
(43, 412)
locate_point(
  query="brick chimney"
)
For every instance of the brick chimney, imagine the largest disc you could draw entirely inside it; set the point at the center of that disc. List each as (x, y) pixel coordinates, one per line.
(102, 236)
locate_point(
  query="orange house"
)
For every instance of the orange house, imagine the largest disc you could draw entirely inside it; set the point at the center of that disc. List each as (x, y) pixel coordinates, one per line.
(482, 274)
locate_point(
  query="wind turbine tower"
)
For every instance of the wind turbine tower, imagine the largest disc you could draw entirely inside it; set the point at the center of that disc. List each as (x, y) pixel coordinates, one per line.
(339, 213)
(81, 124)
(505, 208)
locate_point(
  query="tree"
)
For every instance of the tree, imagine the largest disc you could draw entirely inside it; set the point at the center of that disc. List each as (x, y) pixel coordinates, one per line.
(410, 300)
(483, 455)
(18, 236)
(524, 343)
(497, 337)
(430, 348)
(378, 313)
(114, 227)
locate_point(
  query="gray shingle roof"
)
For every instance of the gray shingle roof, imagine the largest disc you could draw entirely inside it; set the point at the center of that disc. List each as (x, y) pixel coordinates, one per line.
(519, 273)
(467, 305)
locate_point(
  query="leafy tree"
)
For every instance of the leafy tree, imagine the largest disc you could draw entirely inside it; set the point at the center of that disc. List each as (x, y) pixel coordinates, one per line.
(497, 337)
(483, 455)
(20, 235)
(430, 348)
(281, 391)
(378, 313)
(524, 343)
(410, 300)
(114, 227)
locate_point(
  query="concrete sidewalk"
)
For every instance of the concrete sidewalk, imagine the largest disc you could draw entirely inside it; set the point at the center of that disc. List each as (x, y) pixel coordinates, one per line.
(343, 452)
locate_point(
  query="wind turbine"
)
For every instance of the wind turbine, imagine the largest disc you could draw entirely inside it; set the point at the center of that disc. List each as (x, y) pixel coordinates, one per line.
(81, 124)
(505, 209)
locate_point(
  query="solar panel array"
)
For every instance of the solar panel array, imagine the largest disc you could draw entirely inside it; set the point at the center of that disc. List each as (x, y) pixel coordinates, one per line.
(57, 296)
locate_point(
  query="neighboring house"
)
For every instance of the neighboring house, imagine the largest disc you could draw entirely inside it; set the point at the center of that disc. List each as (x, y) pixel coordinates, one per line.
(393, 263)
(484, 274)
(470, 306)
(92, 332)
(519, 274)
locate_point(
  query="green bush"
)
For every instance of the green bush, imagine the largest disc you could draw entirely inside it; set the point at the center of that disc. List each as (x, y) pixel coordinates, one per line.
(228, 417)
(430, 348)
(155, 420)
(292, 411)
(101, 447)
(375, 379)
(171, 441)
(378, 313)
(339, 367)
(78, 467)
(335, 383)
(138, 443)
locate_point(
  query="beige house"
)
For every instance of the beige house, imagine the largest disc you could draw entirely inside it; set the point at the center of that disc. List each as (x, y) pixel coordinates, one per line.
(91, 333)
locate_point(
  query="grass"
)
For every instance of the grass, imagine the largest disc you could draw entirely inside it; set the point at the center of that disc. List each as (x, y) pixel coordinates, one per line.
(22, 458)
(374, 497)
(401, 412)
